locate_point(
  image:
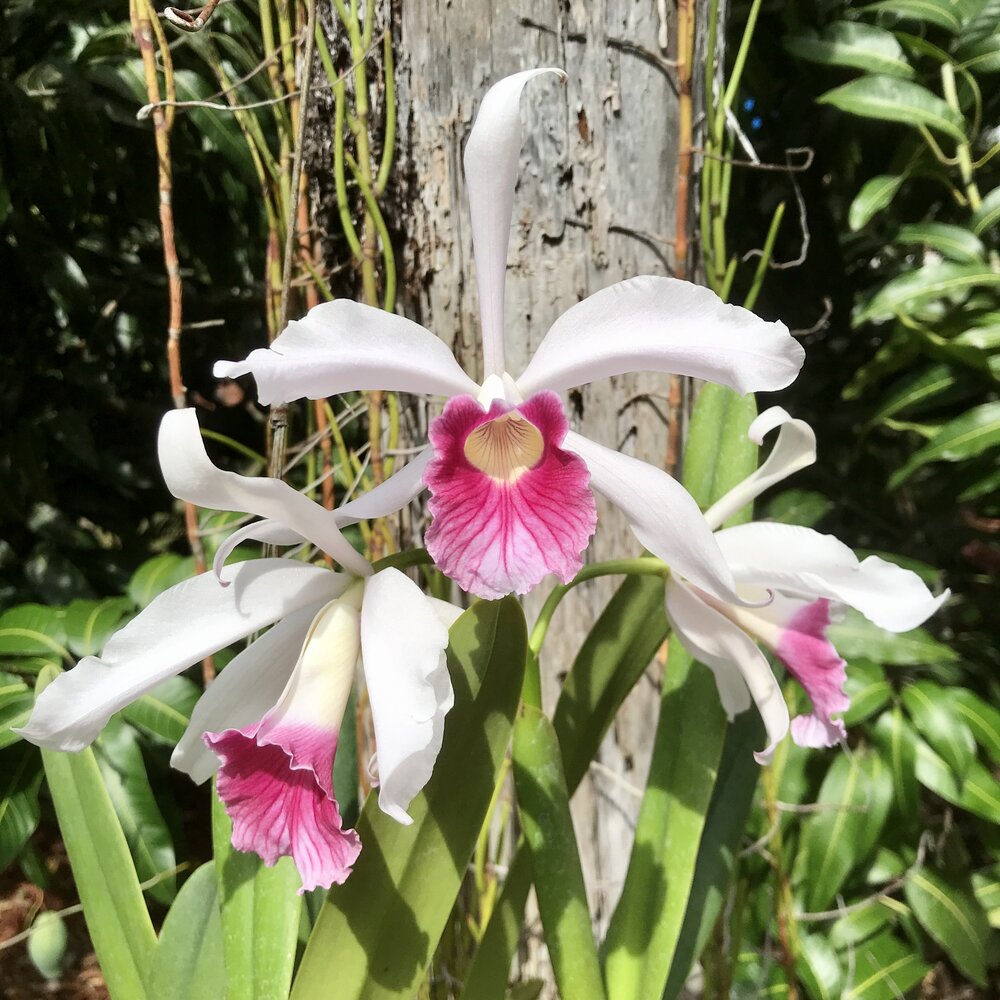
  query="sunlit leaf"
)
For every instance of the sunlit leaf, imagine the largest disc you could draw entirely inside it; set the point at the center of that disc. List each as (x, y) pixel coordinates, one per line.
(854, 44)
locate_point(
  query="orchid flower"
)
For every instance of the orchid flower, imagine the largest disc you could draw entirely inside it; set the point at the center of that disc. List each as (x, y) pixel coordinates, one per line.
(511, 485)
(269, 723)
(810, 576)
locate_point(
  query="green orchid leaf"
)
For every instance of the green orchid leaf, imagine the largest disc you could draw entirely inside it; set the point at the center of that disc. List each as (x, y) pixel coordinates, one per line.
(105, 876)
(188, 963)
(376, 933)
(853, 44)
(543, 805)
(887, 98)
(875, 194)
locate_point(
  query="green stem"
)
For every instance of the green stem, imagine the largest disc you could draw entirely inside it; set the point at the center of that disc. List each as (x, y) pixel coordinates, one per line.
(643, 566)
(765, 258)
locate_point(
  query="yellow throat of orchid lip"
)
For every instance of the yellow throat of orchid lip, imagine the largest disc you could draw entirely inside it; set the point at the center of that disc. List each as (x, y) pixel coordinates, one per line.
(505, 448)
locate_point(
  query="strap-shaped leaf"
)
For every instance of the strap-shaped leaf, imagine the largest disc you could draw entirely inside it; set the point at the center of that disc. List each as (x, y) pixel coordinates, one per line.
(543, 805)
(887, 98)
(875, 194)
(853, 44)
(884, 969)
(376, 933)
(260, 911)
(647, 922)
(611, 660)
(116, 914)
(188, 963)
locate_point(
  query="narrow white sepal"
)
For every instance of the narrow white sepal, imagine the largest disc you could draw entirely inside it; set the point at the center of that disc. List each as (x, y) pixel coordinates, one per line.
(491, 160)
(795, 449)
(342, 346)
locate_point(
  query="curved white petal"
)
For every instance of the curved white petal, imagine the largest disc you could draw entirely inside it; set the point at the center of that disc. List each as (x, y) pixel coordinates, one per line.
(661, 324)
(267, 531)
(388, 497)
(248, 687)
(190, 475)
(663, 515)
(695, 628)
(713, 639)
(804, 562)
(341, 346)
(403, 644)
(491, 156)
(181, 626)
(795, 449)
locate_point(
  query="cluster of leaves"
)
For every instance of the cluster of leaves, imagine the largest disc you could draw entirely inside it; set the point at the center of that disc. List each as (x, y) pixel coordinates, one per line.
(870, 873)
(84, 293)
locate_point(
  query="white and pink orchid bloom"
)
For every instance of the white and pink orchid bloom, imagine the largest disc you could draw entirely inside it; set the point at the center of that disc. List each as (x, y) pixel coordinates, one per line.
(270, 722)
(809, 575)
(511, 486)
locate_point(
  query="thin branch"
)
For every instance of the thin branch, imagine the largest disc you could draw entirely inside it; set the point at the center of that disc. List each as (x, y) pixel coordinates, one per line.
(191, 20)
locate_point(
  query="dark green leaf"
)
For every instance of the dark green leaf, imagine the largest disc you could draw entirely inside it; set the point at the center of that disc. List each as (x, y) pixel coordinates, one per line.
(854, 44)
(857, 638)
(188, 963)
(819, 968)
(988, 214)
(953, 242)
(884, 969)
(805, 507)
(981, 718)
(20, 776)
(543, 805)
(165, 711)
(979, 794)
(887, 98)
(851, 929)
(910, 290)
(158, 574)
(939, 722)
(964, 437)
(854, 802)
(948, 910)
(89, 624)
(407, 877)
(120, 760)
(899, 743)
(940, 13)
(16, 700)
(867, 688)
(33, 630)
(876, 193)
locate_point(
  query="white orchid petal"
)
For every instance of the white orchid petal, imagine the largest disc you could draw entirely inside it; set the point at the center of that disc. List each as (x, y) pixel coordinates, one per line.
(696, 630)
(795, 449)
(388, 497)
(661, 324)
(403, 644)
(447, 612)
(180, 627)
(714, 640)
(250, 685)
(804, 562)
(491, 160)
(190, 475)
(341, 346)
(663, 515)
(267, 531)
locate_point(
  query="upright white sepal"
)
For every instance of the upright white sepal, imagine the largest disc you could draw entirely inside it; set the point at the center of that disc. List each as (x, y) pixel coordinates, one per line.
(491, 158)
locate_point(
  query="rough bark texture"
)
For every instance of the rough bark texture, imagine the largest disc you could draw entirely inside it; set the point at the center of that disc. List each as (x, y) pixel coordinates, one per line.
(594, 205)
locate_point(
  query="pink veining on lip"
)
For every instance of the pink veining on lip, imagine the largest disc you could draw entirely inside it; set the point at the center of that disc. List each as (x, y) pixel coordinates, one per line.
(811, 659)
(277, 787)
(509, 505)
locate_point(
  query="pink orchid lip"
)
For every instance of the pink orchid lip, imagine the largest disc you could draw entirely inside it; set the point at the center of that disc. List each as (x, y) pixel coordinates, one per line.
(509, 504)
(803, 647)
(276, 785)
